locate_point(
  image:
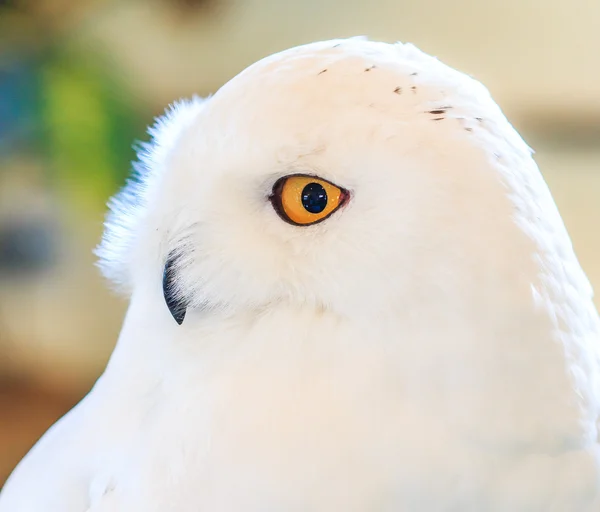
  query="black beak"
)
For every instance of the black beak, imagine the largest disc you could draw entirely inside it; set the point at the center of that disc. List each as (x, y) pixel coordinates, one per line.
(176, 304)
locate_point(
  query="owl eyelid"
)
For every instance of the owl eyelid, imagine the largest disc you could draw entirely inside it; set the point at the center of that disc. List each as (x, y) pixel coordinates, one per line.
(282, 179)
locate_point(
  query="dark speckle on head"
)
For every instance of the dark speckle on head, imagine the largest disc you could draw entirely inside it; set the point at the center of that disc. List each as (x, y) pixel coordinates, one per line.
(414, 74)
(498, 155)
(438, 118)
(438, 111)
(479, 119)
(370, 67)
(414, 89)
(469, 129)
(398, 90)
(336, 45)
(321, 72)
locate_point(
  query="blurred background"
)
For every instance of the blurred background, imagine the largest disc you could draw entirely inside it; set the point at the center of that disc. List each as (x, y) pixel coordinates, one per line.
(81, 79)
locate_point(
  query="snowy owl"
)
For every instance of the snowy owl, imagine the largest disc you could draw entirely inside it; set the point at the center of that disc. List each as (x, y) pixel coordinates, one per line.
(350, 290)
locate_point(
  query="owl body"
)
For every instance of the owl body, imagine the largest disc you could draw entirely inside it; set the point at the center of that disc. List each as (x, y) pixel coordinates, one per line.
(296, 423)
(428, 345)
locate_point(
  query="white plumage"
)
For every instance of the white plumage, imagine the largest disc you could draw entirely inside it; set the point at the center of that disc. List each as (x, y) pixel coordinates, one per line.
(431, 346)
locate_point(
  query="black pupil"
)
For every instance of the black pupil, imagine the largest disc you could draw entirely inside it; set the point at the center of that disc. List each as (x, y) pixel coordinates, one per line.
(314, 198)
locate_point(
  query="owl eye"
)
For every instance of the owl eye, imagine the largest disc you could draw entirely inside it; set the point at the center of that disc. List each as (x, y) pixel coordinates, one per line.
(304, 200)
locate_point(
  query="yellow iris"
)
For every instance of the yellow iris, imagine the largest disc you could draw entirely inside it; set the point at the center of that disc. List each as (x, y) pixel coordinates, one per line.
(304, 200)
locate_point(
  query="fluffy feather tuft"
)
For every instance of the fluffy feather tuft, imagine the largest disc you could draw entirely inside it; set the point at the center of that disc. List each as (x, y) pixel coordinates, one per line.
(128, 208)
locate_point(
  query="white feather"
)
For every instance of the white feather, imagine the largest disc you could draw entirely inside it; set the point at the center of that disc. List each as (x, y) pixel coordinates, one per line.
(432, 346)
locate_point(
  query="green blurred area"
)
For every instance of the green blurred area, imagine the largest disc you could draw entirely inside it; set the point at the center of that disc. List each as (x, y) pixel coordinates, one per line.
(67, 106)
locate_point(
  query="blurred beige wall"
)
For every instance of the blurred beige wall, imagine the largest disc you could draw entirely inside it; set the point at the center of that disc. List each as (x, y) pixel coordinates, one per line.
(533, 54)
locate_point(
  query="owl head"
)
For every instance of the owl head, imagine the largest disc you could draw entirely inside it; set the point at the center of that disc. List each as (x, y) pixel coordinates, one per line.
(348, 176)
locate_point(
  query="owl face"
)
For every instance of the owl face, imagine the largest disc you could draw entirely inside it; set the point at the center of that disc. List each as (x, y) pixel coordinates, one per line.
(348, 176)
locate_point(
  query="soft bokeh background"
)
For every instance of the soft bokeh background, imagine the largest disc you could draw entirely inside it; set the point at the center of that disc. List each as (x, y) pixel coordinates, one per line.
(81, 79)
